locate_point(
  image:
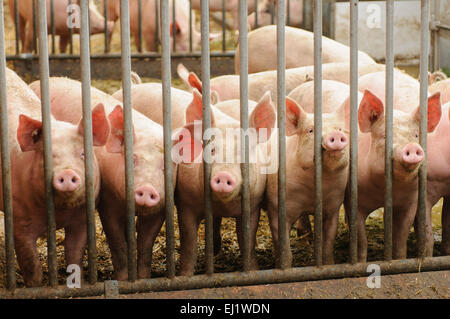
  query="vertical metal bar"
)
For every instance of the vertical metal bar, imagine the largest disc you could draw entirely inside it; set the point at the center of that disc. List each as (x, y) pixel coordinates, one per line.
(157, 19)
(190, 25)
(224, 46)
(209, 251)
(88, 140)
(34, 27)
(6, 164)
(388, 170)
(52, 24)
(174, 24)
(16, 25)
(105, 14)
(281, 111)
(71, 33)
(166, 85)
(318, 131)
(353, 128)
(140, 25)
(48, 158)
(243, 45)
(128, 137)
(424, 51)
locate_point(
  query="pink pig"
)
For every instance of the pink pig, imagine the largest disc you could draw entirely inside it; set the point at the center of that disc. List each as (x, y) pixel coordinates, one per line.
(407, 154)
(148, 173)
(27, 177)
(61, 16)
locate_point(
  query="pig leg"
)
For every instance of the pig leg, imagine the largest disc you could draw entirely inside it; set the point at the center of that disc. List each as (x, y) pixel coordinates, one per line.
(445, 244)
(304, 226)
(22, 25)
(148, 228)
(362, 237)
(330, 223)
(113, 222)
(28, 45)
(273, 222)
(189, 222)
(254, 219)
(217, 238)
(402, 221)
(63, 42)
(27, 256)
(75, 242)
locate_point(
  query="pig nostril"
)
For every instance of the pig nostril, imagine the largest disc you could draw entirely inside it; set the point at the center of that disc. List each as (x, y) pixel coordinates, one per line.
(343, 140)
(152, 196)
(332, 140)
(74, 180)
(228, 183)
(61, 180)
(407, 153)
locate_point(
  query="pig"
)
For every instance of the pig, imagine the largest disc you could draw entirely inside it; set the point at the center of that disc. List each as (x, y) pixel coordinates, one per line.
(25, 137)
(262, 50)
(300, 174)
(295, 8)
(227, 86)
(62, 15)
(225, 179)
(148, 156)
(443, 87)
(407, 154)
(231, 6)
(181, 28)
(438, 180)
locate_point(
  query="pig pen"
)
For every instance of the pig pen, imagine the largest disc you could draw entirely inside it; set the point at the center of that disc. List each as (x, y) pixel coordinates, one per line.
(228, 259)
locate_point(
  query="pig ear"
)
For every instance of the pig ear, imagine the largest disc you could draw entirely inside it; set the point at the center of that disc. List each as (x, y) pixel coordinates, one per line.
(195, 82)
(187, 145)
(29, 133)
(434, 111)
(194, 111)
(215, 98)
(263, 117)
(177, 29)
(116, 141)
(294, 115)
(370, 110)
(100, 126)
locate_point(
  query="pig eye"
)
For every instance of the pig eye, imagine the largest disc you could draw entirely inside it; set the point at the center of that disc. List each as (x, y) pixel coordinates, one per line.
(82, 155)
(213, 151)
(311, 131)
(417, 135)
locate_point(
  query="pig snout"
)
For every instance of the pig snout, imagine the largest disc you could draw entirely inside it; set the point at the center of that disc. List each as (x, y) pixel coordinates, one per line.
(147, 196)
(412, 154)
(335, 141)
(223, 182)
(66, 181)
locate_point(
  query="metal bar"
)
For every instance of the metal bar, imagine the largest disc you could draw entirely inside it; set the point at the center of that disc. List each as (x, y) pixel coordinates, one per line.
(48, 157)
(88, 141)
(353, 129)
(243, 78)
(167, 118)
(174, 24)
(140, 25)
(423, 75)
(288, 17)
(224, 45)
(106, 14)
(16, 25)
(435, 55)
(318, 131)
(389, 117)
(281, 111)
(206, 124)
(71, 33)
(256, 13)
(52, 24)
(259, 277)
(272, 12)
(6, 165)
(128, 137)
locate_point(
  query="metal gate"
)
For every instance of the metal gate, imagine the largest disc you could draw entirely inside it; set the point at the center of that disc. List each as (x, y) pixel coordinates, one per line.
(211, 279)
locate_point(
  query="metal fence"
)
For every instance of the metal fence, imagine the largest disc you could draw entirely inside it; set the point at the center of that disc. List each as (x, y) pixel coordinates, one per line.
(211, 279)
